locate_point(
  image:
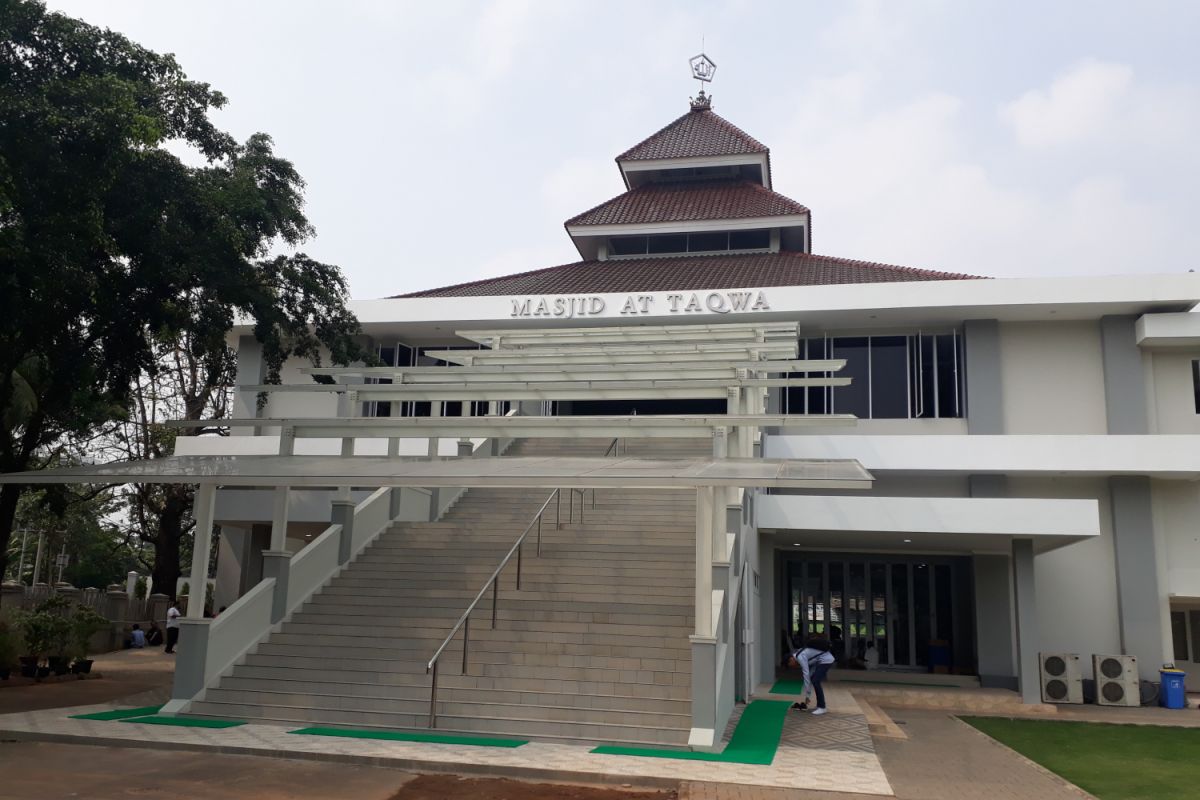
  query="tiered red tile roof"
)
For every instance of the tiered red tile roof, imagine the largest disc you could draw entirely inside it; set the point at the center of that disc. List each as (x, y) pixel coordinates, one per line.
(691, 273)
(690, 200)
(696, 133)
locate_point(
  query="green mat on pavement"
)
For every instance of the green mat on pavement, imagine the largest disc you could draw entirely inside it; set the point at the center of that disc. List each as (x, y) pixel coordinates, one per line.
(119, 713)
(788, 686)
(186, 722)
(405, 736)
(755, 739)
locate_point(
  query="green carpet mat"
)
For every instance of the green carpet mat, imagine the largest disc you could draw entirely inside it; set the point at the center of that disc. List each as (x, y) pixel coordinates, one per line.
(755, 739)
(406, 736)
(788, 686)
(186, 722)
(119, 713)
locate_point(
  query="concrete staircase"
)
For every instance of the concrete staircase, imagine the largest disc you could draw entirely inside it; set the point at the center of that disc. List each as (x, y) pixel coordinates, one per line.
(593, 648)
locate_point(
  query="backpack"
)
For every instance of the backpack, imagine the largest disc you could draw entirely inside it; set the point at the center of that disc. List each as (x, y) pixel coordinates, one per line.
(818, 642)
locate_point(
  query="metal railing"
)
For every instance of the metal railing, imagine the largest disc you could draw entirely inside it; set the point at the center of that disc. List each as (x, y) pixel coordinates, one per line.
(464, 622)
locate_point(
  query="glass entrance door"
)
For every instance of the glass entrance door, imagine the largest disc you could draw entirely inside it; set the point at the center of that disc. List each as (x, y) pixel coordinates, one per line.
(884, 611)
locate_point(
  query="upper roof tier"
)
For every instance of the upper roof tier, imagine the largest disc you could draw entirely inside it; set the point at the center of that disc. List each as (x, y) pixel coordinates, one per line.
(700, 132)
(699, 138)
(683, 201)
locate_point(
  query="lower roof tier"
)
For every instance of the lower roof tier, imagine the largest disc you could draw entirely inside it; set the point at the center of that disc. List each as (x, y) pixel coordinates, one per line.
(691, 273)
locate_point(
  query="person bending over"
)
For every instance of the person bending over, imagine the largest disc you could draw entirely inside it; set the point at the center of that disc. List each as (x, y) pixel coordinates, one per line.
(814, 661)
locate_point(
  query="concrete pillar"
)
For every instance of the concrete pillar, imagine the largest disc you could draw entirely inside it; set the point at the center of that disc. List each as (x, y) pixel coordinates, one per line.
(156, 607)
(117, 605)
(343, 514)
(1138, 593)
(191, 659)
(206, 494)
(277, 564)
(985, 401)
(131, 583)
(995, 644)
(250, 371)
(68, 591)
(1125, 400)
(279, 518)
(704, 558)
(435, 493)
(1024, 592)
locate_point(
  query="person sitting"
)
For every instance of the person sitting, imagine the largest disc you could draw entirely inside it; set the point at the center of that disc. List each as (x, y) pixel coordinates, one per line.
(137, 637)
(154, 636)
(814, 661)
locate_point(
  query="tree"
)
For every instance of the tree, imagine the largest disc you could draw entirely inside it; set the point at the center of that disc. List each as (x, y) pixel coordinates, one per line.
(111, 246)
(185, 384)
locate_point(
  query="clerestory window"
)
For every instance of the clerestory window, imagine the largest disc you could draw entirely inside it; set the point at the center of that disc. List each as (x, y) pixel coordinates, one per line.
(705, 242)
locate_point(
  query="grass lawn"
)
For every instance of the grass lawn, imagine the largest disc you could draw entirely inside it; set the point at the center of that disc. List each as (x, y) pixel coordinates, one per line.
(1130, 762)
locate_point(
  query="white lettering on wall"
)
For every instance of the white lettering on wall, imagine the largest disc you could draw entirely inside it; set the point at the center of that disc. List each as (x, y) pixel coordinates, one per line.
(569, 307)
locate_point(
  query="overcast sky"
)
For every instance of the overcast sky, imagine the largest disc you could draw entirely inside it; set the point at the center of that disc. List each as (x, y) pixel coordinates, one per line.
(444, 142)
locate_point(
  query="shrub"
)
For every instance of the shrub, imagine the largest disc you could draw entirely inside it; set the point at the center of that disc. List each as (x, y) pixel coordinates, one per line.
(85, 624)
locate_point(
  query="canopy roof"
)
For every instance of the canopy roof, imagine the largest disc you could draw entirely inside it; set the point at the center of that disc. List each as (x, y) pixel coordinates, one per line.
(504, 472)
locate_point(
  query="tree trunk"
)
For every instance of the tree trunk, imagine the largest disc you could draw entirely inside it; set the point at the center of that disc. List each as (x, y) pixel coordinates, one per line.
(10, 493)
(166, 543)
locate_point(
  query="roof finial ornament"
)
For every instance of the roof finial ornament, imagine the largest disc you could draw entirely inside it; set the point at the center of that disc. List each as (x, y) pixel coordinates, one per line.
(703, 70)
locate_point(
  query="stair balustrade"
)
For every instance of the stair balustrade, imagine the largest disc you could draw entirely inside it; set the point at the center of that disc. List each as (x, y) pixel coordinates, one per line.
(493, 583)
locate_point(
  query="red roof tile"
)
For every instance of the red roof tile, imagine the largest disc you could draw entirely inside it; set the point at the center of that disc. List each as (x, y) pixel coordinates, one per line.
(690, 200)
(691, 273)
(696, 133)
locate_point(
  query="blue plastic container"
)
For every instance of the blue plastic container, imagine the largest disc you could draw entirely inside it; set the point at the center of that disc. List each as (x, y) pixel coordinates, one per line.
(1172, 694)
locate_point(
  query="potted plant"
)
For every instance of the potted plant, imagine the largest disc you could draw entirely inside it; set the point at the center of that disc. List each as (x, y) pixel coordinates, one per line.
(47, 633)
(85, 623)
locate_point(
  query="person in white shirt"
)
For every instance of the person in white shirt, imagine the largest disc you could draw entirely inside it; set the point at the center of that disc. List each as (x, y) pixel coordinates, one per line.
(814, 661)
(172, 627)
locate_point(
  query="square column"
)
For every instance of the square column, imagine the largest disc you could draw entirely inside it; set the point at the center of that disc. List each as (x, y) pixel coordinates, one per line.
(343, 514)
(202, 512)
(1025, 596)
(277, 561)
(704, 559)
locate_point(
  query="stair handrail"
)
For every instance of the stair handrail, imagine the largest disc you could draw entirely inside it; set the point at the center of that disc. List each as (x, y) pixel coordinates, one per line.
(464, 622)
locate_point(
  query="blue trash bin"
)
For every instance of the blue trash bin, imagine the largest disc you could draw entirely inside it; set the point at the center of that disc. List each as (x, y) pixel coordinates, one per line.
(1173, 694)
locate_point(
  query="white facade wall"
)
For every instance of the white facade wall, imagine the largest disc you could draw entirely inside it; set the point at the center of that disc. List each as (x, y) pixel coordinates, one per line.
(1052, 377)
(1172, 396)
(1076, 585)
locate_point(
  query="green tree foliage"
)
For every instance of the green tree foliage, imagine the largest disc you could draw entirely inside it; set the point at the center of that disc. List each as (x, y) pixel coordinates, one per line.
(111, 246)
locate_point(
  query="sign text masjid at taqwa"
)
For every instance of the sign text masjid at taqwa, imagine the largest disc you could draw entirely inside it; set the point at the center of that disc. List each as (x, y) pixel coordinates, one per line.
(638, 304)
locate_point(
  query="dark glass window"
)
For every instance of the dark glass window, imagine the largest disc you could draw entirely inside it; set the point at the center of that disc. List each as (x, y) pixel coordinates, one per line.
(702, 242)
(749, 240)
(1179, 635)
(893, 377)
(946, 351)
(669, 243)
(856, 398)
(889, 377)
(1196, 383)
(818, 396)
(628, 245)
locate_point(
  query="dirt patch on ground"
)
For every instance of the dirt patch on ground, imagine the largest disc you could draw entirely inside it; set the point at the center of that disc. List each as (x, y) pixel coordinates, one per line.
(145, 674)
(451, 787)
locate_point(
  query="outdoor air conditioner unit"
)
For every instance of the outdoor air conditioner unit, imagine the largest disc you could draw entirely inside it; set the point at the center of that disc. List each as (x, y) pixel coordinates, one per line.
(1117, 680)
(1062, 681)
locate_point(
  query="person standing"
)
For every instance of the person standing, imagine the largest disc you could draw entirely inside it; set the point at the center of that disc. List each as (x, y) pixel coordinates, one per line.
(172, 626)
(814, 661)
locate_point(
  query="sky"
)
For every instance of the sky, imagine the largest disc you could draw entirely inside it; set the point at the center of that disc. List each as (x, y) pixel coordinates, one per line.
(445, 142)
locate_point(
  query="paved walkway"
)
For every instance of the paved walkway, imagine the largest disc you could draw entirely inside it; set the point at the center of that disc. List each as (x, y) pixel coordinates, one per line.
(794, 767)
